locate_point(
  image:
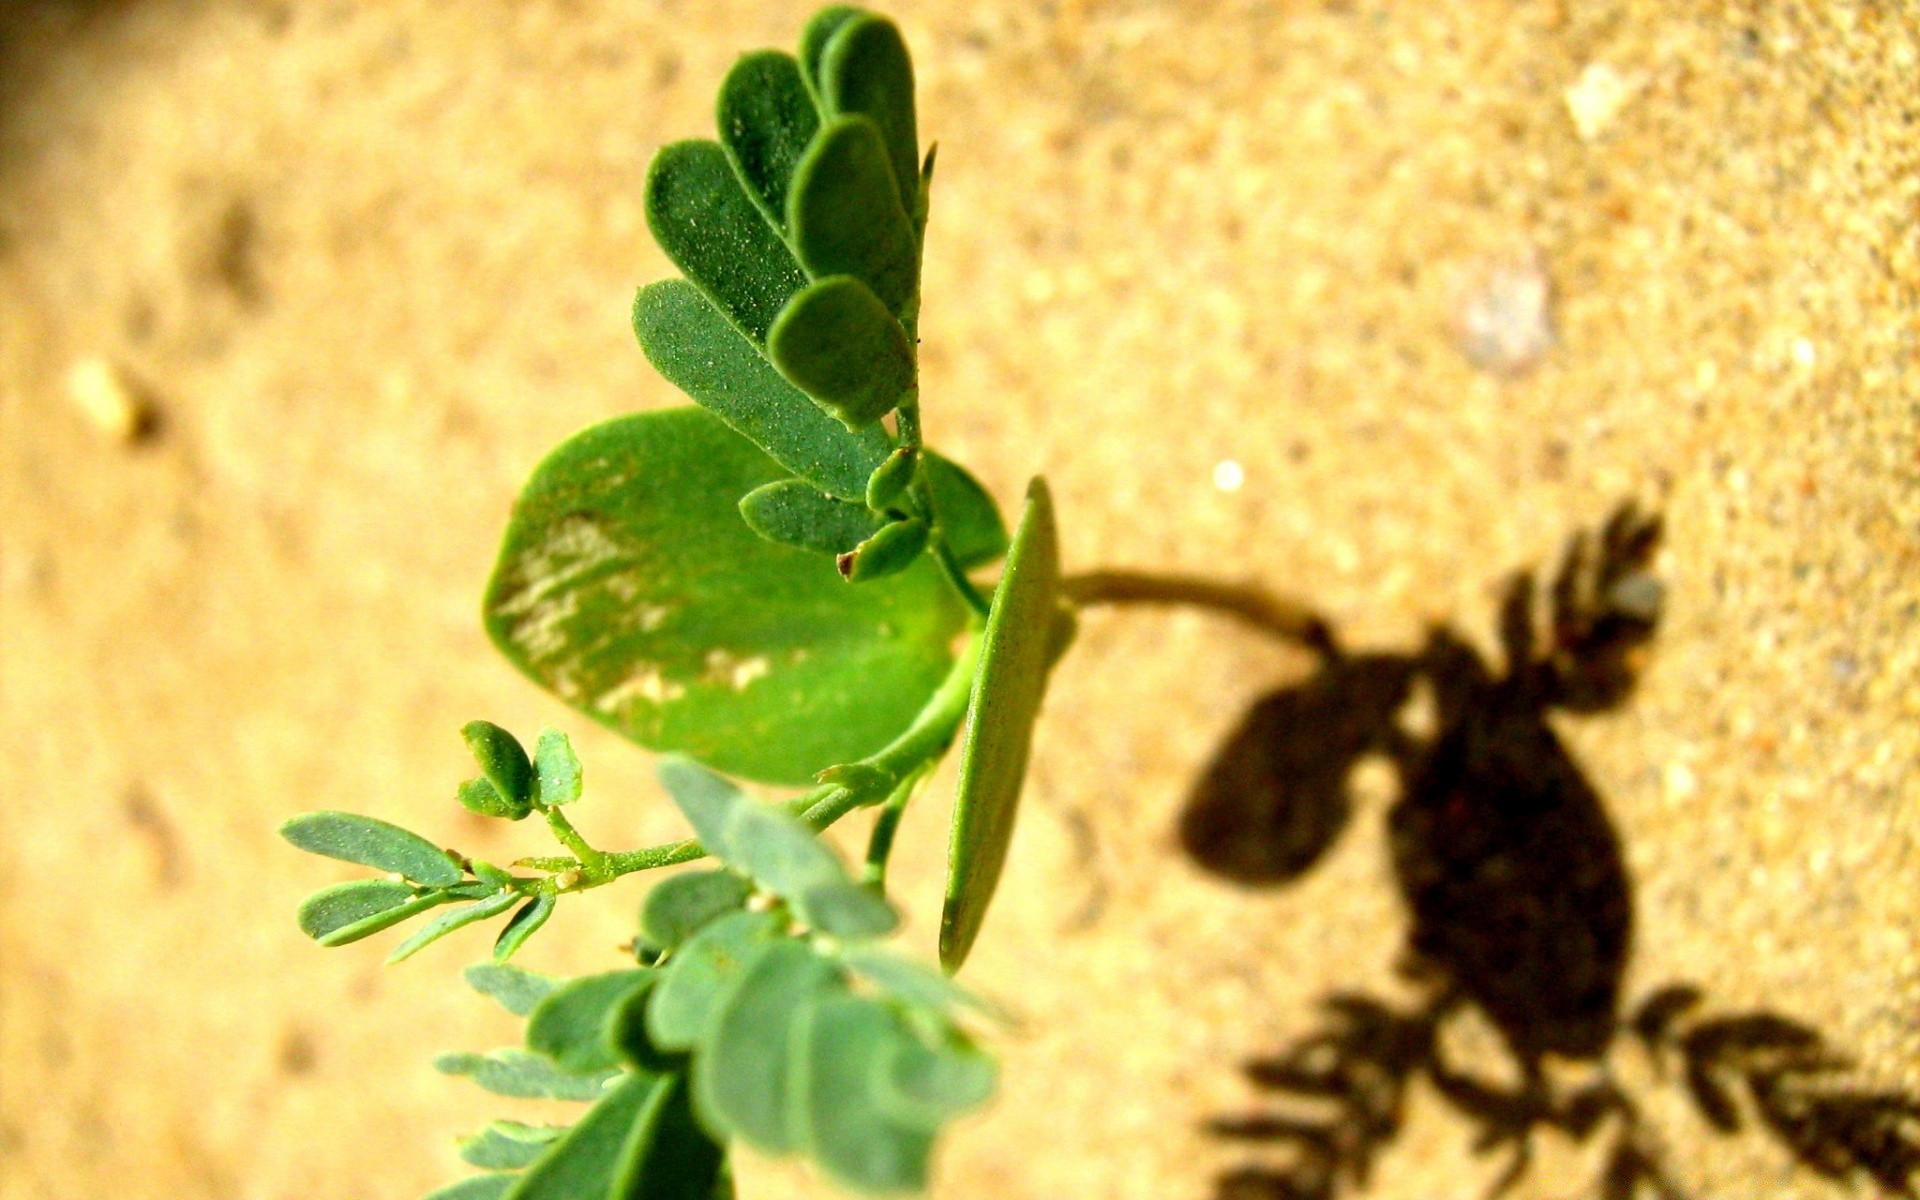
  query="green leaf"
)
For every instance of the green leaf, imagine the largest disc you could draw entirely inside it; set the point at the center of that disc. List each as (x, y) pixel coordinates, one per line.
(480, 797)
(692, 346)
(848, 1129)
(372, 843)
(969, 519)
(478, 1187)
(795, 513)
(814, 39)
(845, 213)
(865, 69)
(766, 119)
(508, 1145)
(1015, 657)
(911, 983)
(892, 477)
(629, 585)
(705, 221)
(847, 910)
(581, 1165)
(695, 979)
(627, 1030)
(681, 905)
(523, 925)
(668, 1156)
(523, 1075)
(503, 760)
(778, 851)
(927, 1086)
(837, 343)
(558, 768)
(888, 552)
(517, 990)
(572, 1025)
(335, 908)
(742, 1078)
(447, 922)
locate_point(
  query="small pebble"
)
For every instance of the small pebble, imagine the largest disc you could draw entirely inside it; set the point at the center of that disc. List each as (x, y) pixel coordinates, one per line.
(1505, 322)
(1229, 475)
(109, 400)
(1596, 98)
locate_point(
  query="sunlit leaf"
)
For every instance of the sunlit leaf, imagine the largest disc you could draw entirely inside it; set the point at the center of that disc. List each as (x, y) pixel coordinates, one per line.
(892, 477)
(629, 585)
(695, 349)
(668, 1155)
(524, 1075)
(375, 844)
(778, 851)
(839, 344)
(814, 39)
(766, 119)
(558, 768)
(479, 1187)
(929, 1085)
(847, 909)
(508, 1145)
(865, 69)
(680, 906)
(743, 1077)
(480, 797)
(581, 1165)
(847, 1127)
(892, 550)
(517, 990)
(1006, 701)
(696, 978)
(704, 797)
(845, 213)
(523, 925)
(795, 513)
(503, 760)
(335, 908)
(912, 983)
(705, 221)
(447, 922)
(572, 1026)
(969, 519)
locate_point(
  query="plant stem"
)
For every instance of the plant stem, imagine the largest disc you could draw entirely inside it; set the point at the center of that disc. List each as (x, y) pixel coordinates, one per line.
(1280, 616)
(592, 861)
(957, 578)
(880, 841)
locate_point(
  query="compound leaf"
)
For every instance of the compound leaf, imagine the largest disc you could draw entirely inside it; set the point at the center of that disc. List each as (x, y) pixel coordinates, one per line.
(1016, 654)
(845, 213)
(508, 1145)
(629, 585)
(837, 342)
(743, 1078)
(573, 1024)
(702, 217)
(376, 844)
(523, 1075)
(766, 119)
(795, 513)
(695, 349)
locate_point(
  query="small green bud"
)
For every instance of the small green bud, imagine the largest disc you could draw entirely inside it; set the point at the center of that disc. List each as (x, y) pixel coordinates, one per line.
(887, 552)
(482, 798)
(891, 478)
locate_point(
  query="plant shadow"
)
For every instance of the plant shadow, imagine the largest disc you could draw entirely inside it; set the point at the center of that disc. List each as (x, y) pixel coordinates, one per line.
(1521, 912)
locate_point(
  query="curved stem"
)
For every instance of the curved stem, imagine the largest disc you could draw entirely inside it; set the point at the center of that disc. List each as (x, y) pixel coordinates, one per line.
(1279, 616)
(957, 578)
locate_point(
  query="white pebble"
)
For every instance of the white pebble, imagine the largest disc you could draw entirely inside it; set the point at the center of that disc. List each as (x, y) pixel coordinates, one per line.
(1229, 475)
(103, 394)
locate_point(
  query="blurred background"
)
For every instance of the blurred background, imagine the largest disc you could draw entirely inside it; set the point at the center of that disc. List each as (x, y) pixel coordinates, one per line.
(1369, 302)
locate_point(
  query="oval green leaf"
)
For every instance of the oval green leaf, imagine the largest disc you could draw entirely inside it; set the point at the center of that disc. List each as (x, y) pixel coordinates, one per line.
(743, 1079)
(1015, 658)
(503, 760)
(558, 768)
(481, 798)
(692, 346)
(696, 978)
(847, 1126)
(682, 905)
(892, 550)
(447, 922)
(766, 119)
(332, 909)
(572, 1026)
(795, 513)
(815, 37)
(969, 519)
(837, 343)
(845, 213)
(629, 585)
(891, 478)
(508, 1145)
(523, 1075)
(515, 989)
(375, 844)
(523, 925)
(927, 1086)
(479, 1187)
(583, 1162)
(705, 221)
(865, 68)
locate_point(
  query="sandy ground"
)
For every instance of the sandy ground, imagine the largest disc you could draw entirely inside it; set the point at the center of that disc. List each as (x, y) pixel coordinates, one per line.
(368, 262)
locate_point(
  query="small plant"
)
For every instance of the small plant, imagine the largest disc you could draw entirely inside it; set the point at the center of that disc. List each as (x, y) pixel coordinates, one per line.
(775, 585)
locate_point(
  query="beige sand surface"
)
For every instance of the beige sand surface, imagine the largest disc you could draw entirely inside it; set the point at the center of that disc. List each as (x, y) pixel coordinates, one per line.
(369, 261)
